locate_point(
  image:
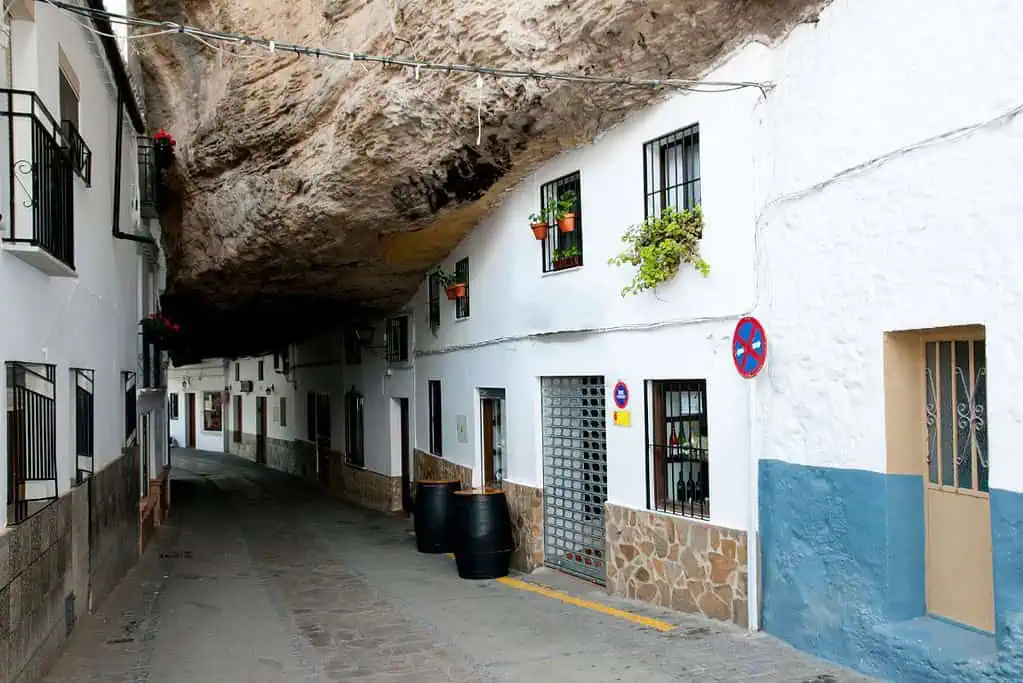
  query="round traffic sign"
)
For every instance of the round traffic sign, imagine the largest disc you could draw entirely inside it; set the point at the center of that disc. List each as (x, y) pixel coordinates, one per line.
(621, 395)
(749, 347)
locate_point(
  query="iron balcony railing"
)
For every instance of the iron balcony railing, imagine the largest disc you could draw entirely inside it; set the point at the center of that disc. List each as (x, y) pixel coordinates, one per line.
(31, 438)
(147, 178)
(40, 190)
(81, 155)
(153, 376)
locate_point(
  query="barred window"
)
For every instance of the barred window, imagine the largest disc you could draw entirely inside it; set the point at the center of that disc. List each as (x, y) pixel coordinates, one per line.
(397, 339)
(671, 173)
(562, 250)
(678, 478)
(462, 303)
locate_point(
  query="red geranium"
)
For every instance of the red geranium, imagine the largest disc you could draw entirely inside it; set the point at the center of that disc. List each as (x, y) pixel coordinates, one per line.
(163, 136)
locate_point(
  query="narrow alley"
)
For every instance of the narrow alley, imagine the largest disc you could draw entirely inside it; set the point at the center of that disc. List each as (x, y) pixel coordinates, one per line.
(259, 577)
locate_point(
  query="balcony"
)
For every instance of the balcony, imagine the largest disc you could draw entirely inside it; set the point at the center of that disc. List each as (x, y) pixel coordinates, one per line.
(152, 366)
(147, 179)
(38, 225)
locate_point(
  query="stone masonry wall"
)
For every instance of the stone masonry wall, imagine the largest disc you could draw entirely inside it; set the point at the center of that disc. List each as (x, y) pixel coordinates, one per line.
(297, 458)
(44, 566)
(678, 563)
(525, 504)
(363, 487)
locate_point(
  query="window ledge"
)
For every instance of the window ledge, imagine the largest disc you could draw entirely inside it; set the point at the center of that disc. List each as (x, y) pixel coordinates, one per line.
(39, 258)
(462, 320)
(562, 270)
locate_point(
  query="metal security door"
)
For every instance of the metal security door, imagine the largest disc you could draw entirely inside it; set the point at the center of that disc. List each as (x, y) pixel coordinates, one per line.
(574, 474)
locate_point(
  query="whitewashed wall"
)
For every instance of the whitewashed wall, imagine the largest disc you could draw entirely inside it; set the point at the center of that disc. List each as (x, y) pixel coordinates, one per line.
(925, 236)
(278, 385)
(203, 377)
(90, 321)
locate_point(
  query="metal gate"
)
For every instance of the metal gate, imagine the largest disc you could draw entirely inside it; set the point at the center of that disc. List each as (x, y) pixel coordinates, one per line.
(574, 474)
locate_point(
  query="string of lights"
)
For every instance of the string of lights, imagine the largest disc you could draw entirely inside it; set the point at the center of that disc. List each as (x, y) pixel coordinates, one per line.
(275, 46)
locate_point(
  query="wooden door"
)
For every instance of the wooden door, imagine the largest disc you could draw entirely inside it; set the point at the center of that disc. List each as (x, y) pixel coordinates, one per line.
(323, 436)
(261, 429)
(190, 420)
(960, 577)
(406, 463)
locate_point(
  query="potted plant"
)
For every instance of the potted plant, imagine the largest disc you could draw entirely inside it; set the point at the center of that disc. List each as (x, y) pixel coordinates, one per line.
(564, 211)
(453, 283)
(159, 329)
(569, 257)
(659, 245)
(538, 223)
(163, 148)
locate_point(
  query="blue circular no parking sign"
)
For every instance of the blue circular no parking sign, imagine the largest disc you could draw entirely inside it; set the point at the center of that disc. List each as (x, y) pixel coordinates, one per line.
(621, 395)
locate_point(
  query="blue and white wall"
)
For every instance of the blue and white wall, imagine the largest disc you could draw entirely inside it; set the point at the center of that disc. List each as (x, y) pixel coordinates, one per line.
(893, 204)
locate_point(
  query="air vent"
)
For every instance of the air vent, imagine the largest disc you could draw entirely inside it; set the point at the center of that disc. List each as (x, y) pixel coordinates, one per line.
(246, 386)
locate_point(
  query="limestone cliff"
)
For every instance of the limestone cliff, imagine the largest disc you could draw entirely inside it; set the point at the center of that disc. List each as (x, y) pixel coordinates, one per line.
(305, 181)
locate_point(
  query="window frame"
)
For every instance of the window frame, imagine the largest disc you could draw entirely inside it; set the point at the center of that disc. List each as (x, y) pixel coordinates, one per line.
(556, 240)
(398, 327)
(32, 403)
(462, 303)
(218, 408)
(659, 471)
(173, 406)
(284, 411)
(656, 193)
(129, 383)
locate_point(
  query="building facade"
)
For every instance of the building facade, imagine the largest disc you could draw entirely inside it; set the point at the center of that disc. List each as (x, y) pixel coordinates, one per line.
(195, 405)
(85, 428)
(859, 497)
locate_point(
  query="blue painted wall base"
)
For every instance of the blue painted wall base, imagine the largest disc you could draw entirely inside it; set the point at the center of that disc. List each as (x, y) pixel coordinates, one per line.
(843, 558)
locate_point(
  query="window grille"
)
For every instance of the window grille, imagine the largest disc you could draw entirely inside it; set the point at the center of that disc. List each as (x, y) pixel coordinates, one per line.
(397, 339)
(562, 250)
(130, 410)
(671, 172)
(83, 382)
(436, 420)
(31, 439)
(678, 467)
(462, 303)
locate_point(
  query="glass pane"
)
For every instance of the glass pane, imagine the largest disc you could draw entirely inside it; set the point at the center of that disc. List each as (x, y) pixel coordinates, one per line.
(945, 394)
(964, 409)
(931, 379)
(980, 412)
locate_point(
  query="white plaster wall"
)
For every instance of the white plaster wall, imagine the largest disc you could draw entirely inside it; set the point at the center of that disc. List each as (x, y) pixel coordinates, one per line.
(278, 385)
(207, 376)
(927, 238)
(90, 321)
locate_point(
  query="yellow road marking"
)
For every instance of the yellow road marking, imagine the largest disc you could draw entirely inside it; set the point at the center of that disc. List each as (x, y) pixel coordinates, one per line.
(585, 604)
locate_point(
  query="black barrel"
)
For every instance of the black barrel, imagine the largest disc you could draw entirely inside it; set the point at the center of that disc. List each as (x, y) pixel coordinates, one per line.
(483, 534)
(434, 514)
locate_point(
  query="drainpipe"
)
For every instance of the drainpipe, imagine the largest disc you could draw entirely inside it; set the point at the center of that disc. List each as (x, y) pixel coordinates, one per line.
(118, 153)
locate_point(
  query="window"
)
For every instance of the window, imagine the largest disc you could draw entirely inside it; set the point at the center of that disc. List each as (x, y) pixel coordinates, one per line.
(82, 382)
(397, 339)
(671, 173)
(81, 155)
(462, 303)
(212, 411)
(284, 411)
(562, 250)
(130, 412)
(259, 371)
(172, 406)
(68, 100)
(677, 448)
(436, 420)
(31, 439)
(237, 372)
(433, 292)
(353, 351)
(354, 443)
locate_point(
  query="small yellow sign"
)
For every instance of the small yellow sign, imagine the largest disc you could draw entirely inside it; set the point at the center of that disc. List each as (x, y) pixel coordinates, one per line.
(622, 418)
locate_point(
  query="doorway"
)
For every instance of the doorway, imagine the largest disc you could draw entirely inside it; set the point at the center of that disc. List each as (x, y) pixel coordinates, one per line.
(323, 437)
(492, 441)
(237, 419)
(402, 433)
(261, 430)
(190, 420)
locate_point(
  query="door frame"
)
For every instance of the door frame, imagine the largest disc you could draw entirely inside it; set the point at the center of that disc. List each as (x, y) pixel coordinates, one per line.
(261, 425)
(190, 420)
(485, 441)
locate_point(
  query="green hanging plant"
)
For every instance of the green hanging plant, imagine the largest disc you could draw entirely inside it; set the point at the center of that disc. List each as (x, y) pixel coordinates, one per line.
(660, 245)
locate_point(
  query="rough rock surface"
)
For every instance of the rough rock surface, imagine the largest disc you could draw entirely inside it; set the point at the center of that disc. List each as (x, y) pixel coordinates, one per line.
(303, 179)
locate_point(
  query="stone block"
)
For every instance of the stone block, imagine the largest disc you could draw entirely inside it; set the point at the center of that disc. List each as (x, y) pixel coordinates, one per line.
(525, 503)
(678, 563)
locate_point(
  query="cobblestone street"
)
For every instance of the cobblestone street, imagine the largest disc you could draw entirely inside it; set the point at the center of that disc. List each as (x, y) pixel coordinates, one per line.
(260, 578)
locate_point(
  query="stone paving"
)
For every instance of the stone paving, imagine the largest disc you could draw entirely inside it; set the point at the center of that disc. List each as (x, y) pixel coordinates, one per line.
(260, 578)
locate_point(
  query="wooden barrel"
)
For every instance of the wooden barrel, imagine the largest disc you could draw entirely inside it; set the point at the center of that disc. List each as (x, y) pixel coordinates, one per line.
(483, 534)
(434, 514)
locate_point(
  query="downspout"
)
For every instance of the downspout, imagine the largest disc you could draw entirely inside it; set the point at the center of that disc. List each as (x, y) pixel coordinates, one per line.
(118, 153)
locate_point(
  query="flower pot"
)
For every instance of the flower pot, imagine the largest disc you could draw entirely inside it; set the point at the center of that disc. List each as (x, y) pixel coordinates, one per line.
(456, 291)
(539, 230)
(563, 263)
(567, 222)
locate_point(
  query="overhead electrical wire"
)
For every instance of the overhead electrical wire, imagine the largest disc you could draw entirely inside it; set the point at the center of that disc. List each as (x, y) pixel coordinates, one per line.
(274, 46)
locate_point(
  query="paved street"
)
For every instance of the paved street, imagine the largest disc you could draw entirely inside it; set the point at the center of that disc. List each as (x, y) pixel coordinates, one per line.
(259, 578)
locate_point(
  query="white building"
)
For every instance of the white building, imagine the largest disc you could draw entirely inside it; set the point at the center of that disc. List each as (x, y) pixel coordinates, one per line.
(194, 395)
(864, 209)
(84, 434)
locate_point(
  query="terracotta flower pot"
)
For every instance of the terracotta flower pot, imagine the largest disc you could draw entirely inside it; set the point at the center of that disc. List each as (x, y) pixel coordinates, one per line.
(567, 222)
(539, 230)
(456, 291)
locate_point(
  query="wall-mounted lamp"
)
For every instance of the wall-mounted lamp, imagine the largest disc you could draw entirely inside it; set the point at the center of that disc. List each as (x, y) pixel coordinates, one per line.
(269, 390)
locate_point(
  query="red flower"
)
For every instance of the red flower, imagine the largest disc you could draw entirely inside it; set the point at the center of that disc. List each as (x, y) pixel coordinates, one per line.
(162, 134)
(176, 327)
